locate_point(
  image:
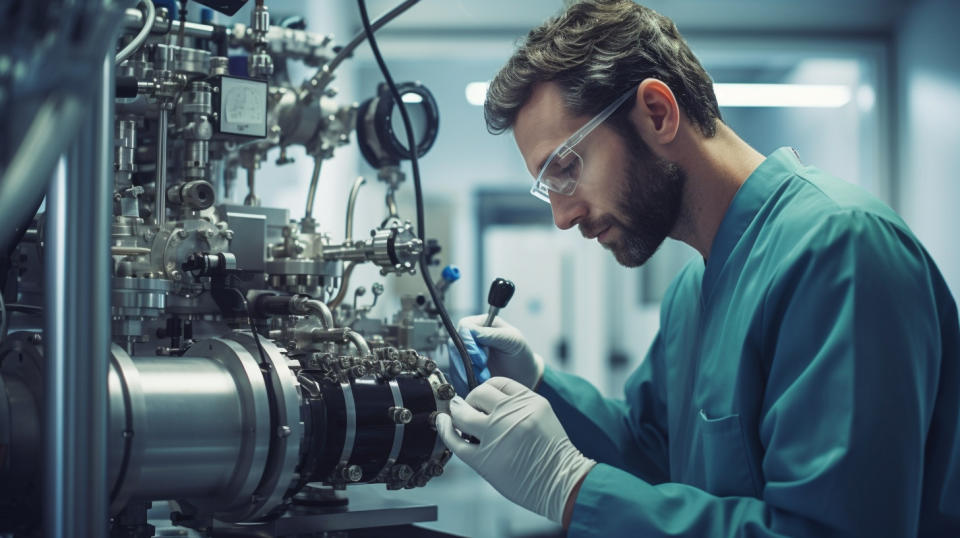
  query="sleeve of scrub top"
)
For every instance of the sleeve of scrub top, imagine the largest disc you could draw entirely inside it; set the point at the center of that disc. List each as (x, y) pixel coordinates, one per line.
(850, 325)
(629, 434)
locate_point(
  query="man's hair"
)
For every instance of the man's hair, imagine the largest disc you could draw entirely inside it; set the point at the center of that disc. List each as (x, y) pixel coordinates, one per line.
(594, 51)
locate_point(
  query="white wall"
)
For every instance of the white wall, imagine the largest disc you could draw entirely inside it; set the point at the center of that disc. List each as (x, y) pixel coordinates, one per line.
(928, 76)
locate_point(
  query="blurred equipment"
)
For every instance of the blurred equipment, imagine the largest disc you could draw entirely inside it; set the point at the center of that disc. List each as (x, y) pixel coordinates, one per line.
(166, 346)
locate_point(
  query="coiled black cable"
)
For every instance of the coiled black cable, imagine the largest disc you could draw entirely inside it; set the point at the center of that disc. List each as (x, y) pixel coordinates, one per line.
(418, 196)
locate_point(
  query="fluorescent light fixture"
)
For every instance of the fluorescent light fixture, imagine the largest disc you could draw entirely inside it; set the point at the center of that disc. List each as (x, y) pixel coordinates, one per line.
(412, 98)
(476, 93)
(743, 95)
(782, 95)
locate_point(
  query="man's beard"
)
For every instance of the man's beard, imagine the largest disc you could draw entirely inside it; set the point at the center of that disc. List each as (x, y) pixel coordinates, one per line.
(650, 204)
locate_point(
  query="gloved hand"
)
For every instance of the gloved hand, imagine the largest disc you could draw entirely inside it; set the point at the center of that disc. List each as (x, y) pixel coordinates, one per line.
(508, 354)
(523, 451)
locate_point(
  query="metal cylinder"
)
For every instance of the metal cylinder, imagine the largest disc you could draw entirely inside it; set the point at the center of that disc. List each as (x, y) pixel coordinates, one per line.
(211, 429)
(197, 194)
(219, 65)
(201, 428)
(197, 99)
(125, 142)
(77, 323)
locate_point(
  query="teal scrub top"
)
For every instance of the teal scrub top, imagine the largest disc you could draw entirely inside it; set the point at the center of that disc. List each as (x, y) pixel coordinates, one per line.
(804, 381)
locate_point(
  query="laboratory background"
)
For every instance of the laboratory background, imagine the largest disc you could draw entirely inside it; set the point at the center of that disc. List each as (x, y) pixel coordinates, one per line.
(288, 203)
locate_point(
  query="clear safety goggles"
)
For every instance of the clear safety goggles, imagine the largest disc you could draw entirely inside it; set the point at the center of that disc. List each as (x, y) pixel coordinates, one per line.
(561, 171)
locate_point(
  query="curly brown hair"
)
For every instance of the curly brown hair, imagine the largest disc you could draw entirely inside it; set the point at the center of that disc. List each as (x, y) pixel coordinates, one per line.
(594, 51)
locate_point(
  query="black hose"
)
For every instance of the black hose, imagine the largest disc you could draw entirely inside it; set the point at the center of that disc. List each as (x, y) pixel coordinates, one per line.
(3, 319)
(418, 195)
(347, 50)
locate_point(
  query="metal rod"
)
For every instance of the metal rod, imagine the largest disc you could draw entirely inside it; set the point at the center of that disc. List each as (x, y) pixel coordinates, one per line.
(351, 205)
(312, 191)
(392, 203)
(326, 73)
(53, 127)
(77, 319)
(160, 196)
(134, 21)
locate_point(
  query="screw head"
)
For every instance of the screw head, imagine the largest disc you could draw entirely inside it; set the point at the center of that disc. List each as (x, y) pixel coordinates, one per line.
(400, 415)
(352, 473)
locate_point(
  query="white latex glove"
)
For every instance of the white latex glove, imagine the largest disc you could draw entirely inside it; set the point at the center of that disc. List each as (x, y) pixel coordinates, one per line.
(509, 354)
(523, 451)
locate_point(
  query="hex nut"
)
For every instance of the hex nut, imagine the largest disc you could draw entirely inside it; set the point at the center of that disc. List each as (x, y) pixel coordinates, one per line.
(401, 472)
(446, 391)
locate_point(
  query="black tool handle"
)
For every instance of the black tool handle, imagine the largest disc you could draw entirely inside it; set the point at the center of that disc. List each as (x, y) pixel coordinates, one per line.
(500, 292)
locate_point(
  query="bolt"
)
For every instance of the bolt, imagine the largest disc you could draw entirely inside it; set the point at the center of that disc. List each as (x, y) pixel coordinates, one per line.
(176, 275)
(429, 366)
(352, 473)
(434, 468)
(409, 357)
(394, 368)
(284, 431)
(400, 415)
(181, 233)
(358, 371)
(401, 472)
(446, 391)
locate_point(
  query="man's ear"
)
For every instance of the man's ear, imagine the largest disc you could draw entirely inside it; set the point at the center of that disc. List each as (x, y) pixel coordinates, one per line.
(656, 113)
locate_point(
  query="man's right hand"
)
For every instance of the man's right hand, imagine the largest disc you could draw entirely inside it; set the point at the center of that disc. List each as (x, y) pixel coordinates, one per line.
(507, 353)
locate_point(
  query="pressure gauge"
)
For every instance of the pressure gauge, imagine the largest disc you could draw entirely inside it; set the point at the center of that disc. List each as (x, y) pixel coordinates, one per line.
(241, 105)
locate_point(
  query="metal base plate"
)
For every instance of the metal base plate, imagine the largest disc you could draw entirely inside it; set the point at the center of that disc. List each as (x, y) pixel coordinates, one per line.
(359, 514)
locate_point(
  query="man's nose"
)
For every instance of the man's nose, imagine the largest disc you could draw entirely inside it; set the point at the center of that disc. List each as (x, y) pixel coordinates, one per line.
(567, 210)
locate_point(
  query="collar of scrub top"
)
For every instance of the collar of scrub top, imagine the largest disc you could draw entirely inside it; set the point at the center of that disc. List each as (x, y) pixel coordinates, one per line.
(756, 190)
(543, 185)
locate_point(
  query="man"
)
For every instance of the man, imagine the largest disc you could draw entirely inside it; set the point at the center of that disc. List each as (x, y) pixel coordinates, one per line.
(805, 380)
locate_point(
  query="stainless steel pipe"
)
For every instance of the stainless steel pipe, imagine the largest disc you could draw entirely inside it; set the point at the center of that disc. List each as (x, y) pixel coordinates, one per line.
(77, 316)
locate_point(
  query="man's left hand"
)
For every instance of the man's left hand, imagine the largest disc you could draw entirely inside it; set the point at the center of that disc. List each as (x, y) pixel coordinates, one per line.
(522, 451)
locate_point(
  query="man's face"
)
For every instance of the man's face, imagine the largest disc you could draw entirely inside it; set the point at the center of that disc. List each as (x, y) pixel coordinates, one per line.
(627, 198)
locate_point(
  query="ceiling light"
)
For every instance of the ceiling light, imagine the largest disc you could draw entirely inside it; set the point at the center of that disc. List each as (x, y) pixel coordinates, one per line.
(782, 95)
(476, 93)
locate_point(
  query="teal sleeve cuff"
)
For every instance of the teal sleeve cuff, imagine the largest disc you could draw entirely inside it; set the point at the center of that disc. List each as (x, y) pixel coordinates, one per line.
(609, 503)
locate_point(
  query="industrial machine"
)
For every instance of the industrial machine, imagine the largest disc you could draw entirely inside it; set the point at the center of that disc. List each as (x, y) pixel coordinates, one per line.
(162, 346)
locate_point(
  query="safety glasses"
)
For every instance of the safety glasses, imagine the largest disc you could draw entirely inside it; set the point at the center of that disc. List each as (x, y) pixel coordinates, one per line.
(561, 171)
